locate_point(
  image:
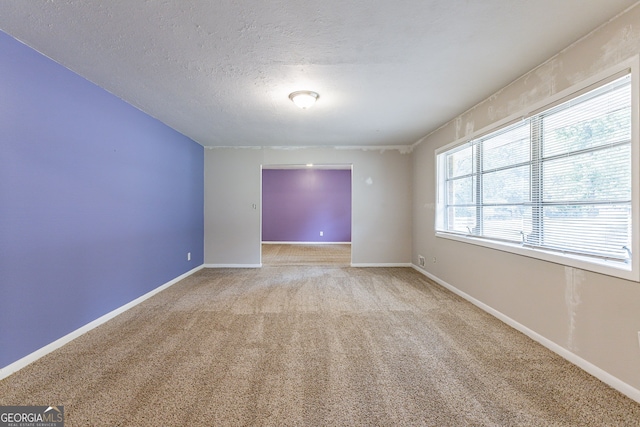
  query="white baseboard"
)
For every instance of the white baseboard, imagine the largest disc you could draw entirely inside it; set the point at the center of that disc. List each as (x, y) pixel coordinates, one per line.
(30, 358)
(602, 375)
(380, 264)
(306, 243)
(232, 265)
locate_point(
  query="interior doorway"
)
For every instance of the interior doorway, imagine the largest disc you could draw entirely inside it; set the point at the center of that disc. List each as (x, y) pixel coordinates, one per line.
(306, 215)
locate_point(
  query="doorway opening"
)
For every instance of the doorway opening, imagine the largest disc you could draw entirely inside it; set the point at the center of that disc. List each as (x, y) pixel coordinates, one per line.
(306, 215)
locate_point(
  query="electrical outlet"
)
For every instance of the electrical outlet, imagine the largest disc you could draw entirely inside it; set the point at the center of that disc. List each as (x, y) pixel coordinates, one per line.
(421, 260)
(321, 233)
(188, 256)
(434, 260)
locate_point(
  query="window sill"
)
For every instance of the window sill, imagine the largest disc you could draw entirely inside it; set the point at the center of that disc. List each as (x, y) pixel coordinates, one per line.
(606, 267)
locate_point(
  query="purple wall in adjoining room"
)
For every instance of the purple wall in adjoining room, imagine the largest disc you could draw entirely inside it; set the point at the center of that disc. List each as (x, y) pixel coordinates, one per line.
(299, 203)
(99, 203)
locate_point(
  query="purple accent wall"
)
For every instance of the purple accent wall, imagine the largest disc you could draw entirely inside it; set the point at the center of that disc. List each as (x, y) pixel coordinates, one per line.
(299, 203)
(99, 203)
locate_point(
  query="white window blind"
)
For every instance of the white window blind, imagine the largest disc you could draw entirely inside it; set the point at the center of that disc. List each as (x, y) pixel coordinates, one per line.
(559, 180)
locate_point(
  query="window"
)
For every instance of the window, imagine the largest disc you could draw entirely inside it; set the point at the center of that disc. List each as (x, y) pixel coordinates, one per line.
(558, 182)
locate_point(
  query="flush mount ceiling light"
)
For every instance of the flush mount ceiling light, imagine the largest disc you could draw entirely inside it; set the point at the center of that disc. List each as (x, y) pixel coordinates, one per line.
(304, 98)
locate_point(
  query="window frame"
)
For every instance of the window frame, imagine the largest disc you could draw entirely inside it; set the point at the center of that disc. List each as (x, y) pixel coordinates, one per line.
(628, 271)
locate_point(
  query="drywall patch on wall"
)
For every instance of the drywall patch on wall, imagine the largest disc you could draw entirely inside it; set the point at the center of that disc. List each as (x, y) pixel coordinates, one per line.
(464, 125)
(493, 113)
(495, 110)
(573, 280)
(617, 46)
(623, 45)
(538, 85)
(402, 149)
(469, 127)
(547, 75)
(458, 125)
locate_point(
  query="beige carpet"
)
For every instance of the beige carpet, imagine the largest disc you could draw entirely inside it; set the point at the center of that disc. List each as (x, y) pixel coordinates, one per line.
(312, 346)
(307, 254)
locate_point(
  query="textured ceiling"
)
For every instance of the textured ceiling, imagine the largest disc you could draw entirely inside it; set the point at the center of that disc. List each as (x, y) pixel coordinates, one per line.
(220, 72)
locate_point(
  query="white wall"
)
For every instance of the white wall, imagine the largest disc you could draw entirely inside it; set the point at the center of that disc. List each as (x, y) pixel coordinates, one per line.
(232, 180)
(594, 317)
(381, 197)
